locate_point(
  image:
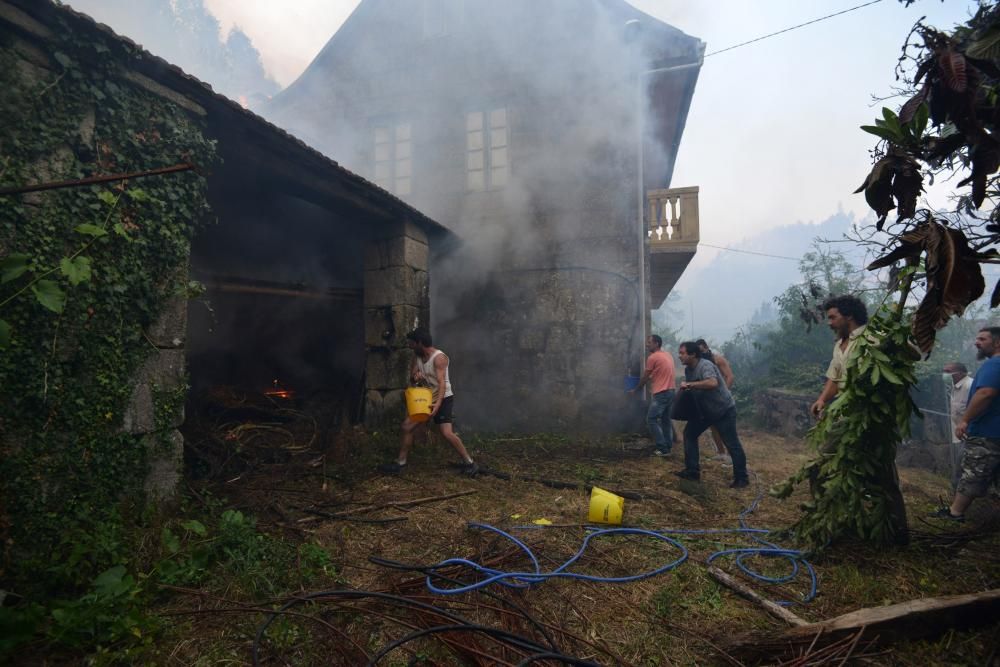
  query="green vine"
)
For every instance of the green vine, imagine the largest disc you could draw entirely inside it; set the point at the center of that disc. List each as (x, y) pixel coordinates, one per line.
(84, 273)
(854, 490)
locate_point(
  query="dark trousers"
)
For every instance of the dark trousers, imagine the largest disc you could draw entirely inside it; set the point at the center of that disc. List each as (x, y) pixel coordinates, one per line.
(727, 429)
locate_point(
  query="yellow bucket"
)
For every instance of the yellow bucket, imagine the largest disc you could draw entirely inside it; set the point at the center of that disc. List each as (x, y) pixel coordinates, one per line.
(419, 402)
(605, 507)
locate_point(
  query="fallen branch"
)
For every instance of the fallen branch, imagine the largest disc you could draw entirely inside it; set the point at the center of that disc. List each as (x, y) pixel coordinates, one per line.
(356, 519)
(772, 608)
(399, 504)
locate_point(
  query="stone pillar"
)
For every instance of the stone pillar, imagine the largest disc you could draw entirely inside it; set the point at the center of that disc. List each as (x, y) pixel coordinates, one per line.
(396, 301)
(156, 407)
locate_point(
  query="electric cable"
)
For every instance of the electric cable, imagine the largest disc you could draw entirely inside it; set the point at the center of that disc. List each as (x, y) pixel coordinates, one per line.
(749, 252)
(794, 27)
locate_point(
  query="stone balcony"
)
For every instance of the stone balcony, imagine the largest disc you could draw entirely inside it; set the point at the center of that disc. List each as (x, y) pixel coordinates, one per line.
(672, 227)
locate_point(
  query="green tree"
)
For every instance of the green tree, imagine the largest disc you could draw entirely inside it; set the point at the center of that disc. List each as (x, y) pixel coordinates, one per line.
(948, 127)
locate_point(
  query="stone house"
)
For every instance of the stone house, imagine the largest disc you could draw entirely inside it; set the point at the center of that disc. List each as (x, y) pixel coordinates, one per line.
(544, 134)
(309, 269)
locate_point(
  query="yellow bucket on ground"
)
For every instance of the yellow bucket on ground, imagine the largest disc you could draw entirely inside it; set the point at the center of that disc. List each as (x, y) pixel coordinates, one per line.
(419, 402)
(605, 507)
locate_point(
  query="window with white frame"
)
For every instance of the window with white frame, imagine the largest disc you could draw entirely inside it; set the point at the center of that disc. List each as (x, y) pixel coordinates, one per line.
(394, 158)
(486, 142)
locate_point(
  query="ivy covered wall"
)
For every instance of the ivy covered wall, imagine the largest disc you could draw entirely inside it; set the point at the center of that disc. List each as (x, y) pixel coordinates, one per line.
(93, 282)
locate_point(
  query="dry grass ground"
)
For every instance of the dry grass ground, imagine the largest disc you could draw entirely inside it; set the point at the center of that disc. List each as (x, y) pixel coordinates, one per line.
(680, 617)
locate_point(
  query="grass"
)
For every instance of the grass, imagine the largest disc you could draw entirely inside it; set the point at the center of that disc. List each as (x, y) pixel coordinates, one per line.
(280, 549)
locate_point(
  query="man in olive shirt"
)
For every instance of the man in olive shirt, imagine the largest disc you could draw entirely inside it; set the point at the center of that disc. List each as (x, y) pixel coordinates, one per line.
(847, 317)
(716, 407)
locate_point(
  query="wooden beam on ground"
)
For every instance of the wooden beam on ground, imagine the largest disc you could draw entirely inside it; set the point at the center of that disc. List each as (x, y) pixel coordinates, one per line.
(915, 618)
(773, 609)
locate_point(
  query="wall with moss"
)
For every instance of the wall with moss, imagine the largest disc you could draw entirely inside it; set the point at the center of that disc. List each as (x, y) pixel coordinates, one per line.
(92, 295)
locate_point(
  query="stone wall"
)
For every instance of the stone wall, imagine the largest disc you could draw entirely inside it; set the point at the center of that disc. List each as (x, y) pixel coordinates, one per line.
(787, 413)
(396, 301)
(156, 408)
(784, 412)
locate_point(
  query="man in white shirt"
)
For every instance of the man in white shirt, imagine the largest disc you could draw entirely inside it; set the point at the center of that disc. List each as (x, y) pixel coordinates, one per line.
(959, 383)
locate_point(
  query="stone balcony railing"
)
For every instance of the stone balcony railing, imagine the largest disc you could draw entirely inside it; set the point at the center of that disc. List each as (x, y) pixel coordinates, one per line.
(672, 218)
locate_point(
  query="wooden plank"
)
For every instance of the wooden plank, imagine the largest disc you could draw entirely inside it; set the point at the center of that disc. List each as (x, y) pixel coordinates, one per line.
(914, 618)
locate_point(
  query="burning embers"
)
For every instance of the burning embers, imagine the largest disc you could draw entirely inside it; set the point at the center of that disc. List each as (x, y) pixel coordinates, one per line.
(278, 392)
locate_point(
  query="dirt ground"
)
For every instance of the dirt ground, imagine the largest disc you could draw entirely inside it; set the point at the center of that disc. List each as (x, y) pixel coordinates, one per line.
(331, 495)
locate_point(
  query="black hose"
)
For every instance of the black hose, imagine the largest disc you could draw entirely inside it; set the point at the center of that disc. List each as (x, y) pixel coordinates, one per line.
(426, 570)
(496, 633)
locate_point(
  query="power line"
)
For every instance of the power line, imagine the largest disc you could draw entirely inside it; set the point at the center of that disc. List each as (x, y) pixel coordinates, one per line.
(794, 27)
(748, 252)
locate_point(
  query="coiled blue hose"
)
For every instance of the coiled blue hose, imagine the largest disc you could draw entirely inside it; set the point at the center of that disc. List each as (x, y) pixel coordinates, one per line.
(527, 579)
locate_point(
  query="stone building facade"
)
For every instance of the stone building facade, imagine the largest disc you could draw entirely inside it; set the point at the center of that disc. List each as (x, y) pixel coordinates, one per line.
(535, 130)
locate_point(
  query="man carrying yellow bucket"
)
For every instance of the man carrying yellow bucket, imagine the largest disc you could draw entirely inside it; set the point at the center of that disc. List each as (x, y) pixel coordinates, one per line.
(430, 367)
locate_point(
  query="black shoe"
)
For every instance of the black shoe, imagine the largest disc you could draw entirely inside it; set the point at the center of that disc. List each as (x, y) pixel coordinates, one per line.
(661, 452)
(470, 469)
(739, 483)
(393, 468)
(945, 513)
(684, 474)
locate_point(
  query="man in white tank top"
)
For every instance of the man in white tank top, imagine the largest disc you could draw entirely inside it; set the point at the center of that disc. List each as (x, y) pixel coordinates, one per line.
(430, 367)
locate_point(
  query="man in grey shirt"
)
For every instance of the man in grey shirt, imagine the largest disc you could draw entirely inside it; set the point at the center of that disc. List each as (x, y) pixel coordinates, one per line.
(715, 407)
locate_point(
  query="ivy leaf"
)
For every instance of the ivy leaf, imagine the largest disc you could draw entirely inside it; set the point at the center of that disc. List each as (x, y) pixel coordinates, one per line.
(13, 266)
(76, 269)
(137, 194)
(4, 334)
(90, 230)
(50, 295)
(106, 197)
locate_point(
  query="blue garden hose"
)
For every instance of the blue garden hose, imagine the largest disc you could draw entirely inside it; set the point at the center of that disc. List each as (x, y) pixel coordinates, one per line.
(742, 555)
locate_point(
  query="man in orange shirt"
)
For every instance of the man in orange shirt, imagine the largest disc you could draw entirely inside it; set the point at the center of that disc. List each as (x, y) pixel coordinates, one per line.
(659, 374)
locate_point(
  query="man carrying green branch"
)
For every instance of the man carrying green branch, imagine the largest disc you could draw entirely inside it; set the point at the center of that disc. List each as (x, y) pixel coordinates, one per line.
(847, 316)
